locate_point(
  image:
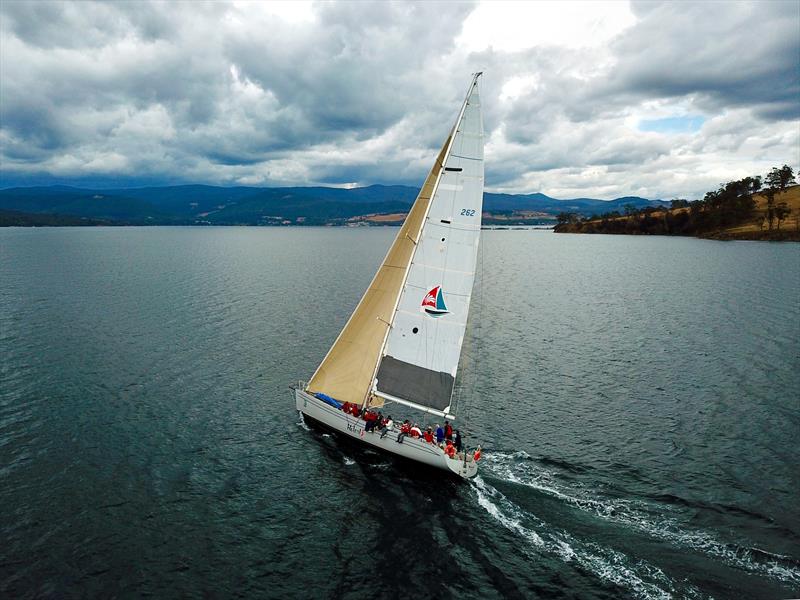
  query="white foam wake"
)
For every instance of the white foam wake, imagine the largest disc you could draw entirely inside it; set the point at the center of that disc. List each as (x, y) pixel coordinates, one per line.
(647, 518)
(302, 422)
(642, 579)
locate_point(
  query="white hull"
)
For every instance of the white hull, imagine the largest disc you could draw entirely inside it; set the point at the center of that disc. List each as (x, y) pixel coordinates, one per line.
(411, 448)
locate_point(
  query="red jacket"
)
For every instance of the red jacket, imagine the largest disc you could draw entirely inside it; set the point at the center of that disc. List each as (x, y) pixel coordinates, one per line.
(428, 436)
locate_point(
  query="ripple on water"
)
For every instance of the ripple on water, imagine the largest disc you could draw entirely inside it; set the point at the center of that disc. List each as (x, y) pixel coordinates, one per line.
(637, 402)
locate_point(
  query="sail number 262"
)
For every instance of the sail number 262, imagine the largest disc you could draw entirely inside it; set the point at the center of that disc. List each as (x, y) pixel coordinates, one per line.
(468, 212)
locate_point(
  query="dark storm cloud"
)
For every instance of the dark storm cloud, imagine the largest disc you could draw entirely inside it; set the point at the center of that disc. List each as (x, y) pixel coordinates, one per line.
(233, 92)
(357, 68)
(720, 55)
(365, 92)
(737, 54)
(87, 67)
(735, 65)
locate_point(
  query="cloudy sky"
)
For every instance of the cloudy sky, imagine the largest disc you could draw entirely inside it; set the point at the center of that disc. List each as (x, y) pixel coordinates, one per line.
(580, 99)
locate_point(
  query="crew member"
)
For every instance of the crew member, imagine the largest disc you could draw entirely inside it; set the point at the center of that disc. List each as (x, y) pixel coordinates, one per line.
(405, 429)
(448, 430)
(428, 435)
(449, 449)
(387, 426)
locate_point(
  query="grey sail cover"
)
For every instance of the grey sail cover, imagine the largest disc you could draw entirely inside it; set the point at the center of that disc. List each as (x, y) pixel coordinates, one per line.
(422, 350)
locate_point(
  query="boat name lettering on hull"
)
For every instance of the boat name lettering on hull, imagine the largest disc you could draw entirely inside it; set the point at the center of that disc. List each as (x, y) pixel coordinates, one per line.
(353, 428)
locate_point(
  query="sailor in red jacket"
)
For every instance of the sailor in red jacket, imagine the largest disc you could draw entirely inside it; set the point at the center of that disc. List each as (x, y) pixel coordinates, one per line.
(372, 420)
(449, 449)
(405, 429)
(428, 435)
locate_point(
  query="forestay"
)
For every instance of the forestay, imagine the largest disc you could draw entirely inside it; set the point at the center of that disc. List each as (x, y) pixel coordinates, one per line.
(421, 354)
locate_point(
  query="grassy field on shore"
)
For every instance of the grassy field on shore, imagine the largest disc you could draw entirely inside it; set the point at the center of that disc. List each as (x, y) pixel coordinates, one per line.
(666, 222)
(758, 225)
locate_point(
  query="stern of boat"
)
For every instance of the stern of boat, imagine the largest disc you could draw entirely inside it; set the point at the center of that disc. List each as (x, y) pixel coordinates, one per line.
(463, 468)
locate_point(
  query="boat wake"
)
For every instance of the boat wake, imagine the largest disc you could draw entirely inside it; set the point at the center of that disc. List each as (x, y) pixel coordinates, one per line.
(646, 517)
(641, 578)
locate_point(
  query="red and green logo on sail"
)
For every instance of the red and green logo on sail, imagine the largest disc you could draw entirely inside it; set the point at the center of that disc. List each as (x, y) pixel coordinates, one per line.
(433, 304)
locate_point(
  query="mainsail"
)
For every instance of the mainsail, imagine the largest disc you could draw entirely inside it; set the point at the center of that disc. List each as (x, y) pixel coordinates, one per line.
(399, 344)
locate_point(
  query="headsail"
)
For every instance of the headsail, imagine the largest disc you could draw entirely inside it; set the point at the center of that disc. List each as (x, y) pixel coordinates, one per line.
(421, 355)
(413, 352)
(347, 371)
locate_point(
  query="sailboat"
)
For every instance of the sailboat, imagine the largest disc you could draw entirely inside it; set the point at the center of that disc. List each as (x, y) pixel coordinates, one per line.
(402, 344)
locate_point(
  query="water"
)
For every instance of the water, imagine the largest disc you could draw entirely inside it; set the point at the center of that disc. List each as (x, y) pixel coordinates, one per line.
(637, 399)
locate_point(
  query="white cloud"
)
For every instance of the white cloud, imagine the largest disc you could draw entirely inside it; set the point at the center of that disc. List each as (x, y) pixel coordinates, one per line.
(289, 11)
(511, 26)
(339, 93)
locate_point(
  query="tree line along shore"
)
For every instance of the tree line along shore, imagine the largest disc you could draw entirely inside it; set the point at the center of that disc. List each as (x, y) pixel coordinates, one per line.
(753, 208)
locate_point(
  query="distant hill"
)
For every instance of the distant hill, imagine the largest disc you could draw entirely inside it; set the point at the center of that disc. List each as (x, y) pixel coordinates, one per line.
(193, 204)
(542, 203)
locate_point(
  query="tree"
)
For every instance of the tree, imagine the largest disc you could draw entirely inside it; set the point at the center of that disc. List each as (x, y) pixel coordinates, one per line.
(566, 217)
(769, 194)
(779, 179)
(731, 203)
(678, 203)
(782, 211)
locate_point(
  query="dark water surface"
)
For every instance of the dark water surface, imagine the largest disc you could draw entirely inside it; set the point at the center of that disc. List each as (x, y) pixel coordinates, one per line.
(637, 399)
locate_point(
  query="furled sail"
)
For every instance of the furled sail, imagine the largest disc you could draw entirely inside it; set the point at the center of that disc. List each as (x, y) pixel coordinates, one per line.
(421, 354)
(415, 351)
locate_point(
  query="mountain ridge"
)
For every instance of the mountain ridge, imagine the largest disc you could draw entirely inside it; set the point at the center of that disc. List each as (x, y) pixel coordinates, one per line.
(243, 205)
